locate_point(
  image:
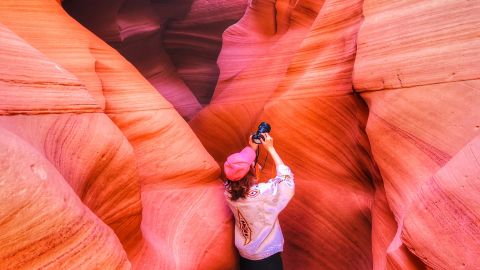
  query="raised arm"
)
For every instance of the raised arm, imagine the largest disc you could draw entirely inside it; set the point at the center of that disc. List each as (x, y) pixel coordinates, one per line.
(253, 145)
(283, 182)
(267, 142)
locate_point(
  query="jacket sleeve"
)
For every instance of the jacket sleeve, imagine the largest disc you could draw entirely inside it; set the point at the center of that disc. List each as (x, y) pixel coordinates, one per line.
(285, 184)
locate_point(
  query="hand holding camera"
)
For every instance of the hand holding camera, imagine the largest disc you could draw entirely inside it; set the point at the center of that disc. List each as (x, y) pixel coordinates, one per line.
(267, 142)
(263, 128)
(263, 137)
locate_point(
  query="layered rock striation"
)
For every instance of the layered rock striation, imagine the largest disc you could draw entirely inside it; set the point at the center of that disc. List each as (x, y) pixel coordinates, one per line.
(91, 178)
(290, 64)
(373, 104)
(417, 70)
(174, 44)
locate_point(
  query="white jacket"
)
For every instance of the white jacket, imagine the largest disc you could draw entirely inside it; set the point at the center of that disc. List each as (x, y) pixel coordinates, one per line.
(257, 231)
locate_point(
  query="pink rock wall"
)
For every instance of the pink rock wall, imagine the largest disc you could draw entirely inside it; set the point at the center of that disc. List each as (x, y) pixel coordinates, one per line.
(100, 132)
(417, 70)
(373, 104)
(44, 223)
(291, 65)
(174, 44)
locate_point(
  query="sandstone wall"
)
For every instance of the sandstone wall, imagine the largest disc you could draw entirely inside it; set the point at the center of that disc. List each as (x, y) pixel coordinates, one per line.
(174, 44)
(91, 174)
(291, 64)
(373, 104)
(417, 68)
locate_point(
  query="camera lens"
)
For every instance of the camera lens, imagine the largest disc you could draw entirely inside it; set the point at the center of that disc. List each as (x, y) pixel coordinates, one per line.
(257, 138)
(264, 127)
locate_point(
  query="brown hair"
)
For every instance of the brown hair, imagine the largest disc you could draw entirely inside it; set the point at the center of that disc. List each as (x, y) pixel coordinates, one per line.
(239, 189)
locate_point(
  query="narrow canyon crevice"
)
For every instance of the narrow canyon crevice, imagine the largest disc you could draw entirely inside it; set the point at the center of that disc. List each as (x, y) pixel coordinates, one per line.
(116, 164)
(174, 44)
(265, 61)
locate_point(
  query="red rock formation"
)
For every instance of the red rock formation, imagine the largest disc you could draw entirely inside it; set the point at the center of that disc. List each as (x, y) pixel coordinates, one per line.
(135, 30)
(446, 207)
(174, 44)
(104, 159)
(44, 224)
(416, 69)
(291, 65)
(101, 170)
(27, 73)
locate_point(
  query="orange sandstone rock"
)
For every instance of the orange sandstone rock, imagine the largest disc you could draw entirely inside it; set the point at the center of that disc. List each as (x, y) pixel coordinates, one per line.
(100, 167)
(143, 143)
(446, 206)
(36, 84)
(416, 70)
(43, 222)
(174, 44)
(291, 65)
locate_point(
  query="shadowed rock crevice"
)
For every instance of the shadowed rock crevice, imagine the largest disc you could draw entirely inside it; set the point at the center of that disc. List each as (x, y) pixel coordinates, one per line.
(174, 44)
(373, 104)
(413, 68)
(277, 64)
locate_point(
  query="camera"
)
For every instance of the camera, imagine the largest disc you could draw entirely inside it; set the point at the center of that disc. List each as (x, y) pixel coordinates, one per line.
(257, 137)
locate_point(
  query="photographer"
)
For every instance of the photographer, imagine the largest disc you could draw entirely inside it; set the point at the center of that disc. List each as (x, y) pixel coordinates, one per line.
(258, 236)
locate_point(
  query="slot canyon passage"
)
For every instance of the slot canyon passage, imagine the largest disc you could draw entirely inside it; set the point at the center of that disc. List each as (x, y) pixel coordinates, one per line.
(117, 115)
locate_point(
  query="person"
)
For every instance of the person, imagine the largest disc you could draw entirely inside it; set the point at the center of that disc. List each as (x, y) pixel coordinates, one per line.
(256, 206)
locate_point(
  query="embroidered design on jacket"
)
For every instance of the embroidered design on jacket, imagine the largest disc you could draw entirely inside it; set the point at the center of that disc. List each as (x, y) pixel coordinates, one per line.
(288, 180)
(285, 178)
(244, 228)
(253, 193)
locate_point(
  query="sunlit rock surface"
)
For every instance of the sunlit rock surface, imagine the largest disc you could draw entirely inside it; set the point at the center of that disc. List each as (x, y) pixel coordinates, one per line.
(174, 44)
(417, 68)
(373, 104)
(99, 137)
(291, 65)
(44, 223)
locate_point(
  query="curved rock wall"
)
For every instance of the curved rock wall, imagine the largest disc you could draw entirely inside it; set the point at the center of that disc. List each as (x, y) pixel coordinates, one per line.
(94, 133)
(44, 223)
(417, 69)
(291, 65)
(174, 44)
(373, 104)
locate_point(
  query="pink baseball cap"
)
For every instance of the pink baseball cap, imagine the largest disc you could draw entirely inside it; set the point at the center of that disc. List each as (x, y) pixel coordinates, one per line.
(238, 164)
